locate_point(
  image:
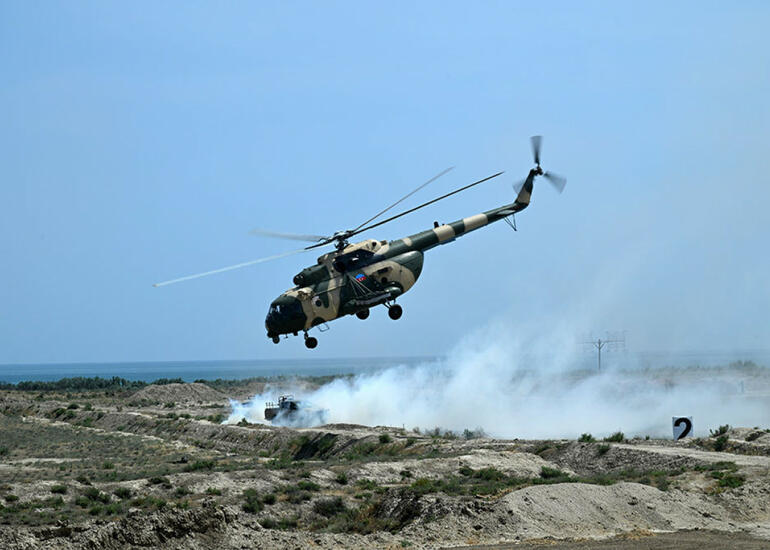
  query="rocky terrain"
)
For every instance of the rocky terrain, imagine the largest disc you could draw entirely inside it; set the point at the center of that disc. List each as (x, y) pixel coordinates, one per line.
(156, 468)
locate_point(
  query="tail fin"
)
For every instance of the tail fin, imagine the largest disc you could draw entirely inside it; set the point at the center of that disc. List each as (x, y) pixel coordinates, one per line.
(525, 190)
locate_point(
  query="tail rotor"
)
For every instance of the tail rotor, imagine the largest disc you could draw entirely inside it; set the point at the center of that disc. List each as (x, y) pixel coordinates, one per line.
(524, 188)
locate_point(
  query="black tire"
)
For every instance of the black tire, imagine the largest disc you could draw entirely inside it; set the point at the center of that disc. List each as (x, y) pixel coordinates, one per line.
(363, 314)
(276, 340)
(311, 342)
(395, 312)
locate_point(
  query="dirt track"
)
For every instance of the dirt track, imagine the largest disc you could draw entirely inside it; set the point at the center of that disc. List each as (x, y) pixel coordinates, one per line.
(683, 540)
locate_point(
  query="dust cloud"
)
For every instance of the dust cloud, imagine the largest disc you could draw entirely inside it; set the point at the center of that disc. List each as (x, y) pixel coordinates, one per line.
(532, 385)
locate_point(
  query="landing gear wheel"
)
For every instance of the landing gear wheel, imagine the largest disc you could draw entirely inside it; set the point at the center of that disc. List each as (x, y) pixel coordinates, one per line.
(311, 342)
(276, 339)
(395, 312)
(363, 314)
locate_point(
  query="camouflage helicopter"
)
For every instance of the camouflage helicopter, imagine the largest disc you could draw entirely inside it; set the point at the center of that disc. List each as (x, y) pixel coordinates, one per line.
(355, 277)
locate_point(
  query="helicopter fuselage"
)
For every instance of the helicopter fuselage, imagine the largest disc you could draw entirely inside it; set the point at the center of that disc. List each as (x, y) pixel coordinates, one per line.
(366, 274)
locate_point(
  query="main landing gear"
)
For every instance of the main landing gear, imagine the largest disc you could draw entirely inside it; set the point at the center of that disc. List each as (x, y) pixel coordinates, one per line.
(395, 312)
(363, 314)
(310, 342)
(276, 339)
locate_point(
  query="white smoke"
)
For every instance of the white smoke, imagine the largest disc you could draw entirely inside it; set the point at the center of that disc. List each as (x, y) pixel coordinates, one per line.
(528, 386)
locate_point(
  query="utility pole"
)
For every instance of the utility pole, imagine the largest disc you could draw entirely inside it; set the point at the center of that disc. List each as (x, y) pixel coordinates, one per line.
(616, 340)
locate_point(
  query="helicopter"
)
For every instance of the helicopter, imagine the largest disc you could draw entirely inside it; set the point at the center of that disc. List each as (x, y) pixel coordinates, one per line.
(355, 277)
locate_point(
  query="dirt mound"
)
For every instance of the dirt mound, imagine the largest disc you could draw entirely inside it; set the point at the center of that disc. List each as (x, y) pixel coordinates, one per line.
(181, 393)
(598, 458)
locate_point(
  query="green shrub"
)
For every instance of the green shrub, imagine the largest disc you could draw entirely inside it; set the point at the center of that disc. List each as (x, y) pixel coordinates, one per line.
(721, 443)
(617, 437)
(160, 480)
(586, 438)
(268, 523)
(601, 450)
(329, 507)
(405, 473)
(200, 465)
(753, 436)
(95, 495)
(367, 484)
(308, 486)
(385, 439)
(113, 509)
(731, 481)
(4, 451)
(59, 489)
(72, 406)
(213, 491)
(252, 504)
(551, 473)
(288, 523)
(170, 405)
(721, 430)
(11, 498)
(107, 465)
(342, 478)
(122, 493)
(269, 499)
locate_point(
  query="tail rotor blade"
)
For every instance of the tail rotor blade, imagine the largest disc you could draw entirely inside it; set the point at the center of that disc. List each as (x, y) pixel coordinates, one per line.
(536, 141)
(557, 181)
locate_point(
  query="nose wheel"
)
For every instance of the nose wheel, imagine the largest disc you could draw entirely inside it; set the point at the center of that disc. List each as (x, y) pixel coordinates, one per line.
(276, 339)
(395, 312)
(310, 342)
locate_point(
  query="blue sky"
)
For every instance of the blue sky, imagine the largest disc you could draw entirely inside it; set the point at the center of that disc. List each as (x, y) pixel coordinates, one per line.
(142, 143)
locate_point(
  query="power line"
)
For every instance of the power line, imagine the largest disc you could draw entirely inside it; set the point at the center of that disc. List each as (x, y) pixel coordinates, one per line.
(614, 341)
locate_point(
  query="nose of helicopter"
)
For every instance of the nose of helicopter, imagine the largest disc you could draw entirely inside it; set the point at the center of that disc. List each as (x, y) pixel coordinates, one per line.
(284, 316)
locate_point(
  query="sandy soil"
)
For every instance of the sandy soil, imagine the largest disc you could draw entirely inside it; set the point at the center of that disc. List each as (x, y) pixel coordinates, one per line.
(157, 469)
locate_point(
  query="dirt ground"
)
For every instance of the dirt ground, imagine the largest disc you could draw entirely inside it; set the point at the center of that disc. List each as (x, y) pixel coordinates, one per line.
(683, 540)
(156, 468)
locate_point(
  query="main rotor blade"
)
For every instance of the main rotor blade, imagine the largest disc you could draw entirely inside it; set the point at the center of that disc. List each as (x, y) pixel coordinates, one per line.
(556, 180)
(289, 236)
(422, 205)
(536, 142)
(402, 199)
(229, 268)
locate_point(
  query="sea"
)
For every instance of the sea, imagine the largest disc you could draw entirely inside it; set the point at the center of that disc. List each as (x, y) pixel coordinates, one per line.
(189, 371)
